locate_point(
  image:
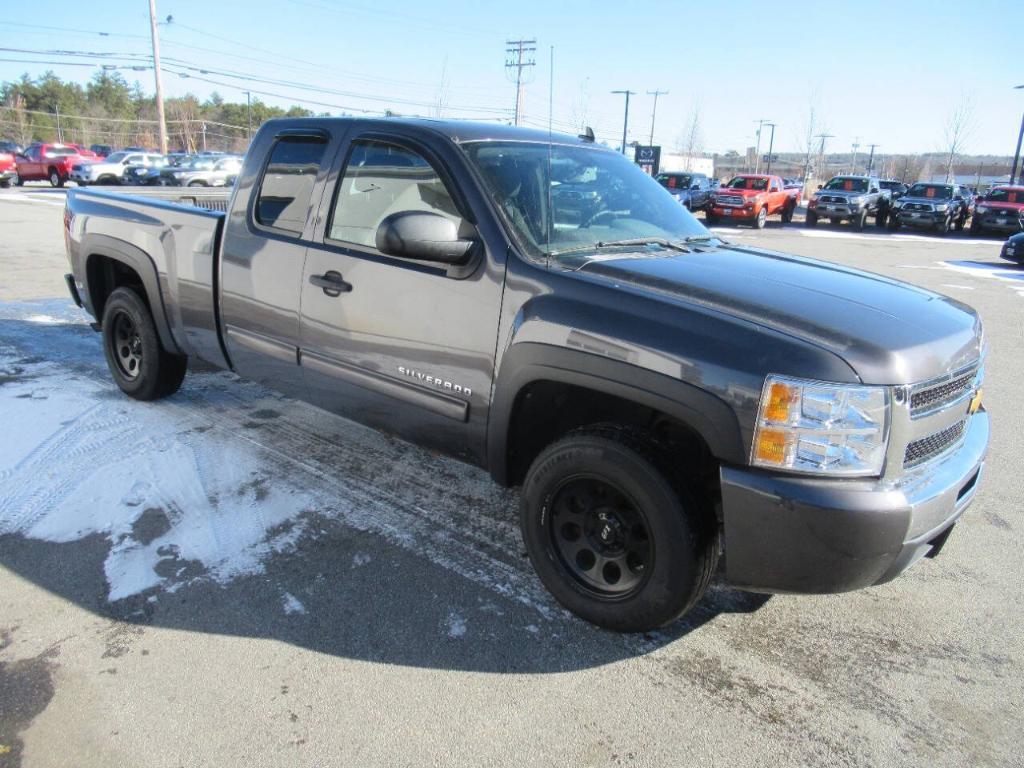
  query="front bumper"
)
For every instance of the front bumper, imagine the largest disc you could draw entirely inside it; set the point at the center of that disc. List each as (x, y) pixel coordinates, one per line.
(804, 535)
(835, 211)
(733, 212)
(81, 177)
(920, 218)
(991, 221)
(1012, 253)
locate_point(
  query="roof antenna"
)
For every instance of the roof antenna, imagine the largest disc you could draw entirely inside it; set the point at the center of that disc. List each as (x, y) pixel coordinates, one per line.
(587, 135)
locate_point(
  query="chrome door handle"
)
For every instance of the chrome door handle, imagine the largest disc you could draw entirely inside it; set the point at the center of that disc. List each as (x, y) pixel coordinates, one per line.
(331, 282)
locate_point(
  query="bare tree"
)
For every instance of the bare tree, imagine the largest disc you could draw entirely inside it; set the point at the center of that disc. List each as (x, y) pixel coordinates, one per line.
(958, 130)
(691, 141)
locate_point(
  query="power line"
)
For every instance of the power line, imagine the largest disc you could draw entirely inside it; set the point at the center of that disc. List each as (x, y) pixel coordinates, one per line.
(517, 50)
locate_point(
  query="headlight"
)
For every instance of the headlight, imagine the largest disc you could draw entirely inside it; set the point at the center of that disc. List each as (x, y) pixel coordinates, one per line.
(981, 209)
(856, 201)
(941, 207)
(820, 428)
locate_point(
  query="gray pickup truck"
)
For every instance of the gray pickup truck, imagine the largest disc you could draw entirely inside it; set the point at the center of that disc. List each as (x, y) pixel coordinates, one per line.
(850, 198)
(672, 405)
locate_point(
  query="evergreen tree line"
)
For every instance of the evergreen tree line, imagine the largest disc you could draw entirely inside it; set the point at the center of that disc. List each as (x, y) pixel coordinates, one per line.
(109, 110)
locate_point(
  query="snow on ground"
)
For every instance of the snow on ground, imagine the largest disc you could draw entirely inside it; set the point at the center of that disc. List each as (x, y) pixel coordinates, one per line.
(213, 482)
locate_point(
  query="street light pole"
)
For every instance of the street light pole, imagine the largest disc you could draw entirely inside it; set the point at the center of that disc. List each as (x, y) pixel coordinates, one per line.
(654, 111)
(821, 151)
(771, 144)
(248, 110)
(757, 149)
(1016, 155)
(625, 121)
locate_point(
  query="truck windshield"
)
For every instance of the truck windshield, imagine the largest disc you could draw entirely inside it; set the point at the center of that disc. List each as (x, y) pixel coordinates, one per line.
(848, 185)
(746, 182)
(941, 191)
(560, 198)
(674, 180)
(1005, 196)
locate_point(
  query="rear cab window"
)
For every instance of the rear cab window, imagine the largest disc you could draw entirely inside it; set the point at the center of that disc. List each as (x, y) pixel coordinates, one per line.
(286, 188)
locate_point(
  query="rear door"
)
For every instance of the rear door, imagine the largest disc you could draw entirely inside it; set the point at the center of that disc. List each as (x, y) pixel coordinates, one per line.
(30, 167)
(264, 251)
(405, 346)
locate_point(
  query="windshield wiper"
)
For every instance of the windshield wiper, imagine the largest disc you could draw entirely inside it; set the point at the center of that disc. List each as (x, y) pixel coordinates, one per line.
(674, 245)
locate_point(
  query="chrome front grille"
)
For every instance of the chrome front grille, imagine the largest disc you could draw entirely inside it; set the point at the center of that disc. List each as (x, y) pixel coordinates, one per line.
(939, 393)
(917, 207)
(931, 446)
(734, 200)
(832, 199)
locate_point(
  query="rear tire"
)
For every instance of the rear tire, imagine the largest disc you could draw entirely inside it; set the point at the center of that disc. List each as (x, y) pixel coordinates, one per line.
(135, 357)
(960, 222)
(881, 216)
(710, 219)
(787, 212)
(610, 536)
(976, 228)
(894, 222)
(55, 178)
(811, 221)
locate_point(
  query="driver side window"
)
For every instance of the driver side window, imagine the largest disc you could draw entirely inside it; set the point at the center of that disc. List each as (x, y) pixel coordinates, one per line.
(381, 179)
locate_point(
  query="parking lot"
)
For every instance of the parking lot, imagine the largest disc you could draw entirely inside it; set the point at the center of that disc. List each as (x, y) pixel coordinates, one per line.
(230, 577)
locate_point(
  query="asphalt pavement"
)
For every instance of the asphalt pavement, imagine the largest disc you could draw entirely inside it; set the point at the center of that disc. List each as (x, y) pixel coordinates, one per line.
(232, 578)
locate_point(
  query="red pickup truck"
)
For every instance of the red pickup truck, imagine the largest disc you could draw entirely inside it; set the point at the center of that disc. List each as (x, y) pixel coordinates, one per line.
(751, 198)
(1000, 210)
(8, 169)
(48, 162)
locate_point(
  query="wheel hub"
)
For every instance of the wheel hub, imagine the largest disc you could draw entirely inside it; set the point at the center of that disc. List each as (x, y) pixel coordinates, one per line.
(601, 537)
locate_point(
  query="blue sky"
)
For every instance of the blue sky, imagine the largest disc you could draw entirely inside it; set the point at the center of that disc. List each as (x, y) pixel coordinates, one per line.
(883, 72)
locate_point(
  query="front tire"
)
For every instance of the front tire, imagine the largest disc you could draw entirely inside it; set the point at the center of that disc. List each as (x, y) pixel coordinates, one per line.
(860, 220)
(944, 226)
(976, 228)
(137, 361)
(762, 218)
(610, 536)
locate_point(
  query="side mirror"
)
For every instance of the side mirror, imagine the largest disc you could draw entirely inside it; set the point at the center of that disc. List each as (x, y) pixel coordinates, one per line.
(422, 235)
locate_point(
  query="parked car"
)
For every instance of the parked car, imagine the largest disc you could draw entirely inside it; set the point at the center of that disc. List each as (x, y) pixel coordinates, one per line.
(999, 210)
(102, 150)
(11, 147)
(930, 205)
(86, 154)
(113, 169)
(789, 183)
(48, 162)
(8, 169)
(693, 190)
(849, 198)
(752, 198)
(145, 174)
(1013, 248)
(206, 171)
(659, 394)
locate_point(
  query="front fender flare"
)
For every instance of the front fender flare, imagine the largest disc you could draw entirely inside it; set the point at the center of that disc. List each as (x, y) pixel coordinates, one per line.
(528, 362)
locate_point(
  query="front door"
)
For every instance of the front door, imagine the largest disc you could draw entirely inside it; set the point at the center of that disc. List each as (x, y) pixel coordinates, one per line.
(263, 258)
(405, 346)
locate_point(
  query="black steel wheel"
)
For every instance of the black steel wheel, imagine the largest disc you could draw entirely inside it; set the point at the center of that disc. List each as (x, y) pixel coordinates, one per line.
(613, 533)
(600, 535)
(127, 345)
(139, 364)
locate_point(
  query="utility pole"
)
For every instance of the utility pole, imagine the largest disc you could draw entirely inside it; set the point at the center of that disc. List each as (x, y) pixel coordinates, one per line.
(821, 151)
(871, 157)
(853, 161)
(1016, 155)
(757, 149)
(204, 137)
(60, 133)
(156, 74)
(771, 144)
(625, 122)
(654, 111)
(518, 52)
(248, 111)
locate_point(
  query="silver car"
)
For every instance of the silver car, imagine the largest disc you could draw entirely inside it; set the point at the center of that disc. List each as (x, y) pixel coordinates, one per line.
(207, 172)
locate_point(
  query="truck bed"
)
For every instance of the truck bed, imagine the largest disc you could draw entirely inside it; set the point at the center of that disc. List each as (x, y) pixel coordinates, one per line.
(171, 236)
